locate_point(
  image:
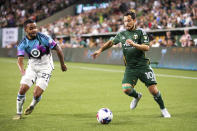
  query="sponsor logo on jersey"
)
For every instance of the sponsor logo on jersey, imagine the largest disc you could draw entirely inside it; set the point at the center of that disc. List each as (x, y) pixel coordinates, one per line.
(126, 44)
(35, 53)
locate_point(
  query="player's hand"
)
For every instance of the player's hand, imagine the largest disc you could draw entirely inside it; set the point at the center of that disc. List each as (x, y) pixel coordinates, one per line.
(96, 54)
(63, 67)
(129, 41)
(22, 72)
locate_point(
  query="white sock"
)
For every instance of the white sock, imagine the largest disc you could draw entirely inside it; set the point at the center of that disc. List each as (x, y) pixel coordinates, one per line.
(19, 103)
(35, 101)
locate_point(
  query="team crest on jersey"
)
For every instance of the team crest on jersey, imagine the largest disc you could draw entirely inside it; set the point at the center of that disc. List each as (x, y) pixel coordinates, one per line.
(35, 53)
(145, 37)
(135, 36)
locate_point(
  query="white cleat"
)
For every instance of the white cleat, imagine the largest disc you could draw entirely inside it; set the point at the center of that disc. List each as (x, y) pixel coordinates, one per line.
(17, 117)
(165, 113)
(135, 101)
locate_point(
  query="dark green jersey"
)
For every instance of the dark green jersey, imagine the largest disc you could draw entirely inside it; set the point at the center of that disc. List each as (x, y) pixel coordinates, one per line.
(133, 57)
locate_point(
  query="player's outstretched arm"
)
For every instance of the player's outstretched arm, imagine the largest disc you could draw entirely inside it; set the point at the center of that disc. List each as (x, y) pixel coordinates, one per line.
(21, 65)
(61, 57)
(142, 47)
(106, 46)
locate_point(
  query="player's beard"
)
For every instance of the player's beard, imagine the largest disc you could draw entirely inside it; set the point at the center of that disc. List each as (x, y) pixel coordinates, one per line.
(131, 27)
(31, 36)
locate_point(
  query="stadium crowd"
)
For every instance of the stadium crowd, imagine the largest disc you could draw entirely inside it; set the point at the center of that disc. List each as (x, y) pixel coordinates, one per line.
(15, 12)
(151, 14)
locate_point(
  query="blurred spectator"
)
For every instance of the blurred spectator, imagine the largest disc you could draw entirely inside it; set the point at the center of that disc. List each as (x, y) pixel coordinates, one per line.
(74, 42)
(15, 12)
(82, 43)
(11, 45)
(92, 43)
(169, 39)
(61, 42)
(153, 41)
(194, 12)
(152, 14)
(195, 42)
(186, 39)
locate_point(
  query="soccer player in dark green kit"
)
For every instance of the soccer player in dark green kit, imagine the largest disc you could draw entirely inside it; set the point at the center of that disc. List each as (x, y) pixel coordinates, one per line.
(134, 44)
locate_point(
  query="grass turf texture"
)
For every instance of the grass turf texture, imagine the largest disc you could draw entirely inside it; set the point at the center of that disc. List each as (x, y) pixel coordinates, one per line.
(73, 98)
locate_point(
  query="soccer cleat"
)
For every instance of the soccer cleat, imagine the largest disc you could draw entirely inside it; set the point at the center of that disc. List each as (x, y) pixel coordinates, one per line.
(135, 101)
(165, 113)
(17, 117)
(29, 110)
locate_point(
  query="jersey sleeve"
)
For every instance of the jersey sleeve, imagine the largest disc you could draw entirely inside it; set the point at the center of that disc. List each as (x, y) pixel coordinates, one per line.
(20, 49)
(48, 41)
(52, 44)
(116, 39)
(144, 38)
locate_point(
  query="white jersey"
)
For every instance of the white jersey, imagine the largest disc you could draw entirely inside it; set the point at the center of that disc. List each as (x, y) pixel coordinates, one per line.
(40, 64)
(45, 60)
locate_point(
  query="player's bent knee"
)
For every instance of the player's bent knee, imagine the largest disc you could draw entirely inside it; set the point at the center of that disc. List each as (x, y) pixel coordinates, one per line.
(153, 89)
(126, 87)
(38, 92)
(23, 89)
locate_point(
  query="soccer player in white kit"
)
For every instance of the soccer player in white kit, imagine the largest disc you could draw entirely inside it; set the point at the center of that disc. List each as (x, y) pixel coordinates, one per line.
(40, 65)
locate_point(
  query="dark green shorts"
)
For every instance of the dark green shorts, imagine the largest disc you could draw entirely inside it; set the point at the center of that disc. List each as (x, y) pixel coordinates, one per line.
(146, 75)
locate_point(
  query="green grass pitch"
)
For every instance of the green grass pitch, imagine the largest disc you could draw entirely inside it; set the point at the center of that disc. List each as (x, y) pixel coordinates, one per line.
(73, 98)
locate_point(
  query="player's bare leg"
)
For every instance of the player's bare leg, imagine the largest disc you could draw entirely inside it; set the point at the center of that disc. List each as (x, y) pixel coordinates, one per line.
(130, 91)
(20, 101)
(37, 97)
(157, 97)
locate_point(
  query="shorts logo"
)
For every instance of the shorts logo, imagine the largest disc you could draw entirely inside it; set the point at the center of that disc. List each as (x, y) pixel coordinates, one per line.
(35, 53)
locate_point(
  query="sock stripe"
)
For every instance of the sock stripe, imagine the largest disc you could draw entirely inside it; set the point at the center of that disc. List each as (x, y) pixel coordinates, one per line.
(38, 99)
(20, 96)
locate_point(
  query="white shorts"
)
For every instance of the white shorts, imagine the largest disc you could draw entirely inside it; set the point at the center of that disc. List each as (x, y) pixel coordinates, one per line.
(39, 74)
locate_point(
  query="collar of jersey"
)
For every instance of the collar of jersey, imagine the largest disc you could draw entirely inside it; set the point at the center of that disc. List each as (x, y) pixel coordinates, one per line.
(31, 39)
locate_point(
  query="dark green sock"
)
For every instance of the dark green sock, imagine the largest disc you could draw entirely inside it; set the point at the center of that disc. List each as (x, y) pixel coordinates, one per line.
(133, 93)
(159, 100)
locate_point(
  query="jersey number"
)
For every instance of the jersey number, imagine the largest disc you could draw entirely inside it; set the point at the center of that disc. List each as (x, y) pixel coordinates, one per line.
(150, 75)
(46, 76)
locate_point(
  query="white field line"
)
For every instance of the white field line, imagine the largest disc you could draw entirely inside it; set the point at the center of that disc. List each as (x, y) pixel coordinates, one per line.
(108, 70)
(121, 71)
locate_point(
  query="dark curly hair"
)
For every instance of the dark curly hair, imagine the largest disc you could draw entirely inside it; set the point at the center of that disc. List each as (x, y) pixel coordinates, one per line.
(27, 22)
(131, 12)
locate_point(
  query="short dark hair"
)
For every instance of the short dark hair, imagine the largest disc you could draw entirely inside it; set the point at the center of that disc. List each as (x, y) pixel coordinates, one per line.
(131, 12)
(28, 21)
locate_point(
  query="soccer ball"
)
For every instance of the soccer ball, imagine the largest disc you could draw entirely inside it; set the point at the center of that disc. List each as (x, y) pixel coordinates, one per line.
(104, 116)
